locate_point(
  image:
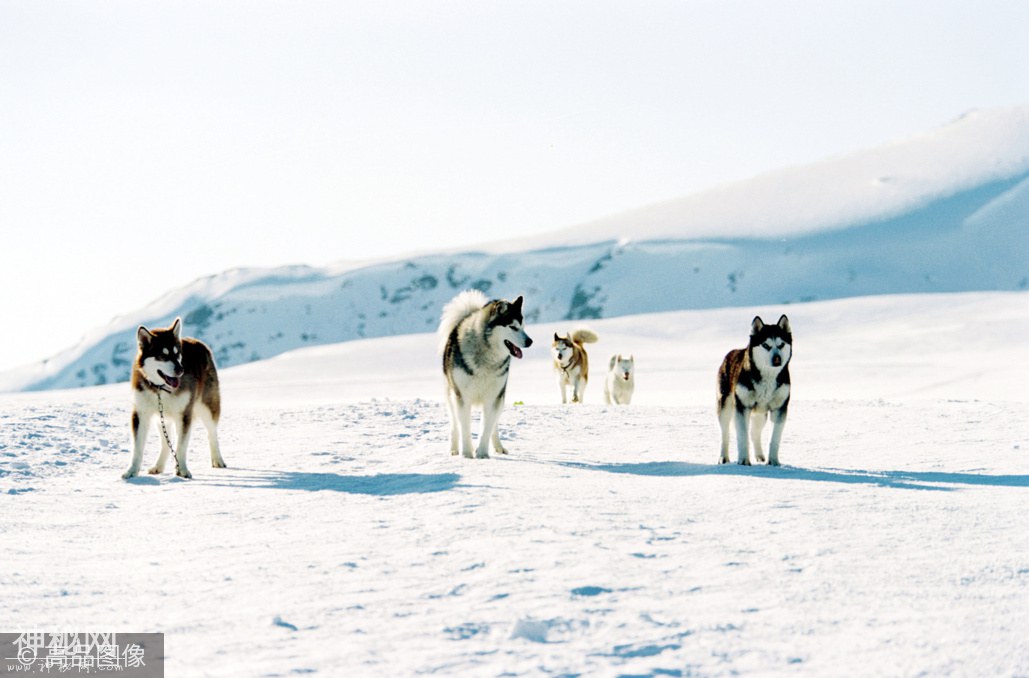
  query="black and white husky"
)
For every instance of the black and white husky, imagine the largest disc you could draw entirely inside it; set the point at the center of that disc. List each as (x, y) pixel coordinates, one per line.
(176, 379)
(754, 382)
(478, 337)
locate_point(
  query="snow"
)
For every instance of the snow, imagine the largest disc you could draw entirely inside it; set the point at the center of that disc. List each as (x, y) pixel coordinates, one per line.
(343, 539)
(943, 212)
(979, 148)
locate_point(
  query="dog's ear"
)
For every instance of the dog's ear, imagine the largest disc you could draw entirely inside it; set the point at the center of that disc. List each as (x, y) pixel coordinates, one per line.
(517, 305)
(176, 328)
(143, 336)
(784, 324)
(756, 325)
(631, 359)
(556, 338)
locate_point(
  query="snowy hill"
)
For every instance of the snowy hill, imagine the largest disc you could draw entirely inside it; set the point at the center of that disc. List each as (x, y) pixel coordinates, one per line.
(946, 212)
(343, 539)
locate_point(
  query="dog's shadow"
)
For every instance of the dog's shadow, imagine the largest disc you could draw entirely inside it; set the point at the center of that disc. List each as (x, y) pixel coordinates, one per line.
(905, 480)
(380, 484)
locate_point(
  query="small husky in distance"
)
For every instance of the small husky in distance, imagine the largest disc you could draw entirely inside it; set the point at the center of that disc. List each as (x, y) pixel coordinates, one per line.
(620, 381)
(176, 378)
(571, 362)
(753, 382)
(477, 338)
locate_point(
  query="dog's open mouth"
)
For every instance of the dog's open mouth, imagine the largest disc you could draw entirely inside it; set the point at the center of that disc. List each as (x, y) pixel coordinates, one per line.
(172, 382)
(515, 351)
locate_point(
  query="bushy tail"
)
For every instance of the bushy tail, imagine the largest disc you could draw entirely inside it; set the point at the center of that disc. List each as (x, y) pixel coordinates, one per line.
(456, 310)
(584, 335)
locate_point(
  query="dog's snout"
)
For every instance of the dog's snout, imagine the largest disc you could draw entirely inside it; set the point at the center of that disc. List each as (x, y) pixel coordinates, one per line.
(528, 341)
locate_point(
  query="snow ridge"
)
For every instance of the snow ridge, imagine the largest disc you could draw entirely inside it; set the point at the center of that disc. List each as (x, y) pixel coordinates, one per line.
(945, 212)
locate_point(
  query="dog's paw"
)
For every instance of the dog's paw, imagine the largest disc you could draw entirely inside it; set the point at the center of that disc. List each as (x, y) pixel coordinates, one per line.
(219, 463)
(482, 454)
(128, 475)
(760, 458)
(745, 462)
(774, 462)
(183, 474)
(154, 470)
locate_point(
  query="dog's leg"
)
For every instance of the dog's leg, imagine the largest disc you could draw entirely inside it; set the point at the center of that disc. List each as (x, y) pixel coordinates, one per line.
(725, 413)
(140, 428)
(757, 425)
(162, 458)
(778, 423)
(497, 446)
(742, 437)
(464, 422)
(490, 414)
(212, 435)
(451, 408)
(607, 395)
(563, 383)
(184, 424)
(576, 390)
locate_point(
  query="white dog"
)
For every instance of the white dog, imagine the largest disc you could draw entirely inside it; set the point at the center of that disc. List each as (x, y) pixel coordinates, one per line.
(620, 381)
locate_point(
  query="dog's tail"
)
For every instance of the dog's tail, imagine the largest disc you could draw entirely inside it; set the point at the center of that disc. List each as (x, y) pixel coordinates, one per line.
(456, 310)
(584, 335)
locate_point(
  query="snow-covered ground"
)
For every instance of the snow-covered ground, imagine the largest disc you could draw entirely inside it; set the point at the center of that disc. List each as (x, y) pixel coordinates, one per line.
(344, 540)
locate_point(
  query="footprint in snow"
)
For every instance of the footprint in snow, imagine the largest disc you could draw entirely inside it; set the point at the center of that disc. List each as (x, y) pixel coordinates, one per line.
(279, 621)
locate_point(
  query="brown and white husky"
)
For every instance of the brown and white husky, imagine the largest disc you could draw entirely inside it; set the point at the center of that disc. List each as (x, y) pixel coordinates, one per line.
(176, 379)
(571, 362)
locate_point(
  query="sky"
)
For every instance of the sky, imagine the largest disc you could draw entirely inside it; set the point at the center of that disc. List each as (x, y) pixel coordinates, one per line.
(144, 145)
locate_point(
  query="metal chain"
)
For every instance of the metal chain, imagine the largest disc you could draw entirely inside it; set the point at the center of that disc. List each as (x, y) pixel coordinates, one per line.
(164, 428)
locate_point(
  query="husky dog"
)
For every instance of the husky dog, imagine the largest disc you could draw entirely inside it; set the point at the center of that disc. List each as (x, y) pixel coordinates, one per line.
(620, 381)
(571, 362)
(477, 338)
(177, 379)
(752, 382)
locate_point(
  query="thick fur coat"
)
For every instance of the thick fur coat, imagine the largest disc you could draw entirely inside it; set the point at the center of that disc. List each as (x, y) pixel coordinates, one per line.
(477, 339)
(753, 384)
(175, 379)
(572, 363)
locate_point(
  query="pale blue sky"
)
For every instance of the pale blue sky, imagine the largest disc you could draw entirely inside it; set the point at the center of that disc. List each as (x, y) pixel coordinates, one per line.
(143, 145)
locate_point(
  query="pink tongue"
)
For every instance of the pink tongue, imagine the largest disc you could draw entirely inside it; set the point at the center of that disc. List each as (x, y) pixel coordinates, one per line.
(515, 351)
(172, 381)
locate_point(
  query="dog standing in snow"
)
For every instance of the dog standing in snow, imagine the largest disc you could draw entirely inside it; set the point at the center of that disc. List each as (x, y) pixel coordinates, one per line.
(571, 362)
(477, 338)
(620, 380)
(754, 382)
(176, 379)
